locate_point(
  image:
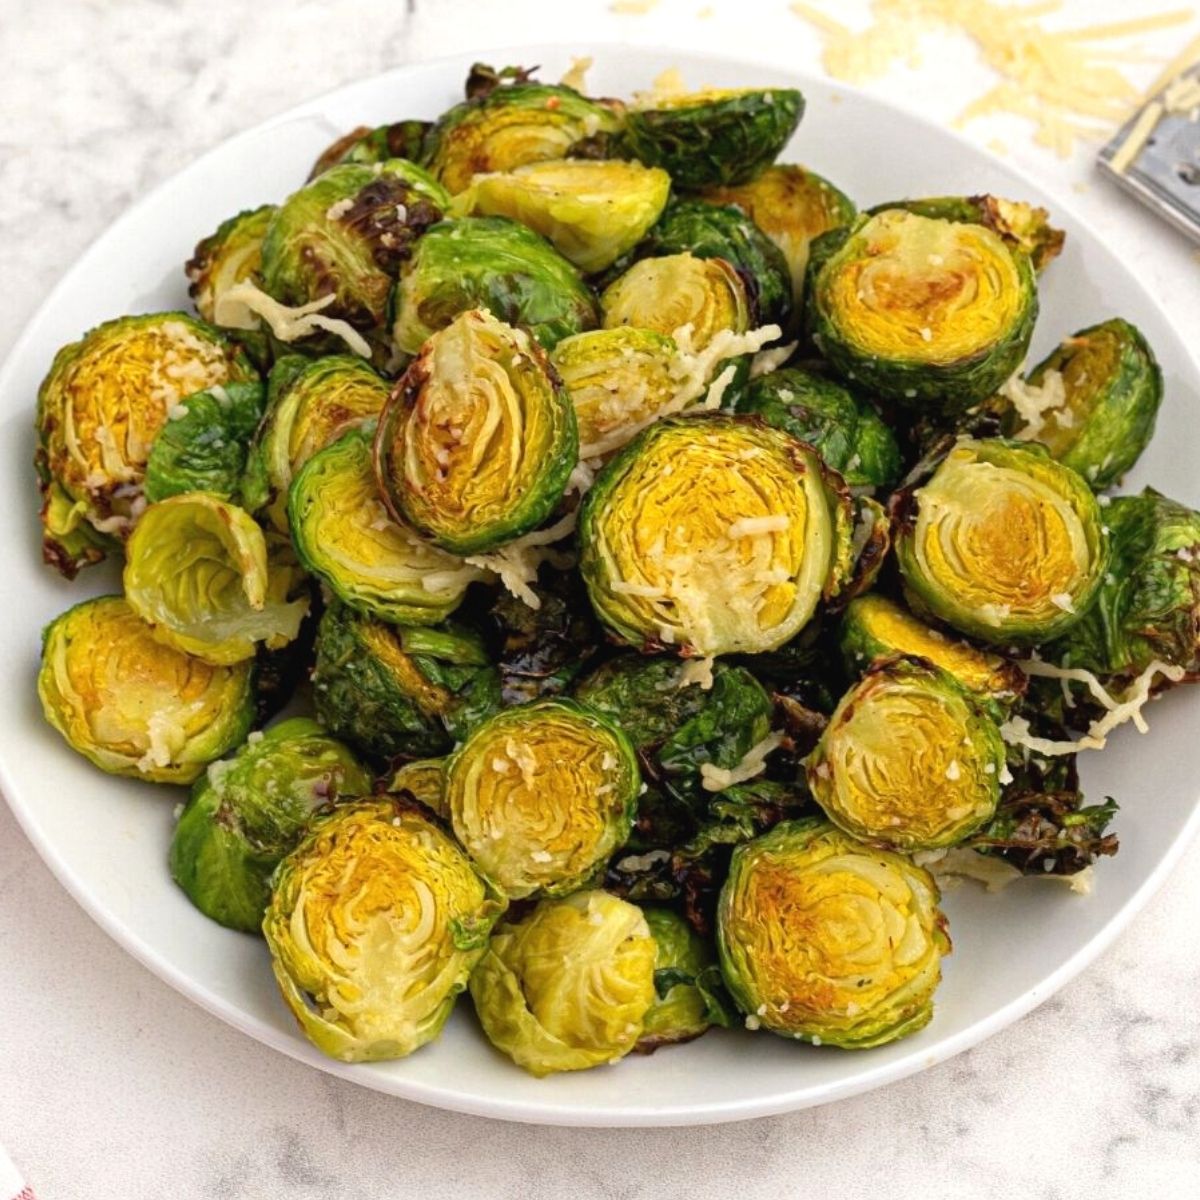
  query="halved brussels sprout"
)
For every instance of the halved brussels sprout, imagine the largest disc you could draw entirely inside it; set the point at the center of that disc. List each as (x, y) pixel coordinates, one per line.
(100, 408)
(720, 136)
(1148, 606)
(344, 535)
(791, 205)
(513, 125)
(390, 690)
(376, 920)
(134, 706)
(495, 264)
(909, 759)
(424, 779)
(591, 211)
(619, 380)
(248, 811)
(400, 139)
(541, 795)
(829, 941)
(713, 534)
(226, 258)
(346, 234)
(874, 627)
(1109, 387)
(724, 231)
(664, 294)
(568, 987)
(848, 433)
(309, 405)
(933, 314)
(197, 570)
(683, 1008)
(1002, 542)
(479, 438)
(203, 445)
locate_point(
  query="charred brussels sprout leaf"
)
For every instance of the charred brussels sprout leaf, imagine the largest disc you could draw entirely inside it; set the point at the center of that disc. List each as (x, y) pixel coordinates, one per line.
(714, 535)
(374, 925)
(929, 313)
(829, 941)
(909, 760)
(132, 705)
(541, 795)
(1048, 833)
(477, 443)
(1002, 542)
(203, 445)
(495, 264)
(248, 811)
(686, 999)
(424, 779)
(848, 433)
(705, 139)
(400, 139)
(226, 258)
(568, 987)
(395, 690)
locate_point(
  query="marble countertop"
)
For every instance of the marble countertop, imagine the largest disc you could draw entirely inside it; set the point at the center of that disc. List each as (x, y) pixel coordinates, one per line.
(111, 1084)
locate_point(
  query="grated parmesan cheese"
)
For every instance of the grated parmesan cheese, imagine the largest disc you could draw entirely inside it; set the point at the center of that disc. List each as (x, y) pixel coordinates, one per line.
(766, 361)
(576, 76)
(1034, 401)
(696, 670)
(291, 324)
(516, 563)
(754, 762)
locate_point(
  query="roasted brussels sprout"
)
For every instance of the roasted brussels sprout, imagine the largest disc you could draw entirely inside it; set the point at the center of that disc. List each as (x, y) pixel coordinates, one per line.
(513, 125)
(910, 759)
(591, 211)
(132, 705)
(400, 139)
(344, 536)
(1101, 389)
(1001, 542)
(713, 534)
(874, 627)
(541, 795)
(1148, 606)
(478, 440)
(1047, 833)
(684, 968)
(100, 408)
(665, 294)
(424, 779)
(568, 987)
(310, 403)
(714, 137)
(495, 264)
(791, 205)
(829, 941)
(932, 314)
(226, 258)
(725, 231)
(248, 811)
(203, 445)
(376, 919)
(848, 434)
(394, 690)
(197, 570)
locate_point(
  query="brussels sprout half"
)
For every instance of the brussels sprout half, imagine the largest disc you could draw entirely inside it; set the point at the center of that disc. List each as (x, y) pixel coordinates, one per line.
(226, 258)
(424, 779)
(848, 433)
(400, 139)
(478, 440)
(1001, 542)
(100, 409)
(704, 139)
(343, 534)
(376, 919)
(394, 690)
(909, 759)
(495, 264)
(541, 795)
(930, 313)
(713, 534)
(829, 941)
(134, 706)
(568, 987)
(248, 811)
(591, 211)
(684, 1006)
(1148, 605)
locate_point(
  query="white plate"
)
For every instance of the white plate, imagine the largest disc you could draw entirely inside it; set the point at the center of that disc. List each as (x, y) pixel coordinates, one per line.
(106, 838)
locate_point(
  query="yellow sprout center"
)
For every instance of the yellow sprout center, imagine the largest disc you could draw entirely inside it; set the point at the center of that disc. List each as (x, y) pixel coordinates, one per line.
(321, 414)
(1087, 363)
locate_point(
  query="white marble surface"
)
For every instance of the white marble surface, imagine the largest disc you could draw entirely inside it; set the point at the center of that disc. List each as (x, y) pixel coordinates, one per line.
(112, 1085)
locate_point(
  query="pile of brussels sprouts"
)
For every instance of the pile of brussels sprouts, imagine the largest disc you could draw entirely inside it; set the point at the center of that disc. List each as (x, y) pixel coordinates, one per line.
(638, 678)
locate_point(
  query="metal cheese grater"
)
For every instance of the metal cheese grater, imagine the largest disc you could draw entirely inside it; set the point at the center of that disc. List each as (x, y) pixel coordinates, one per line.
(1165, 172)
